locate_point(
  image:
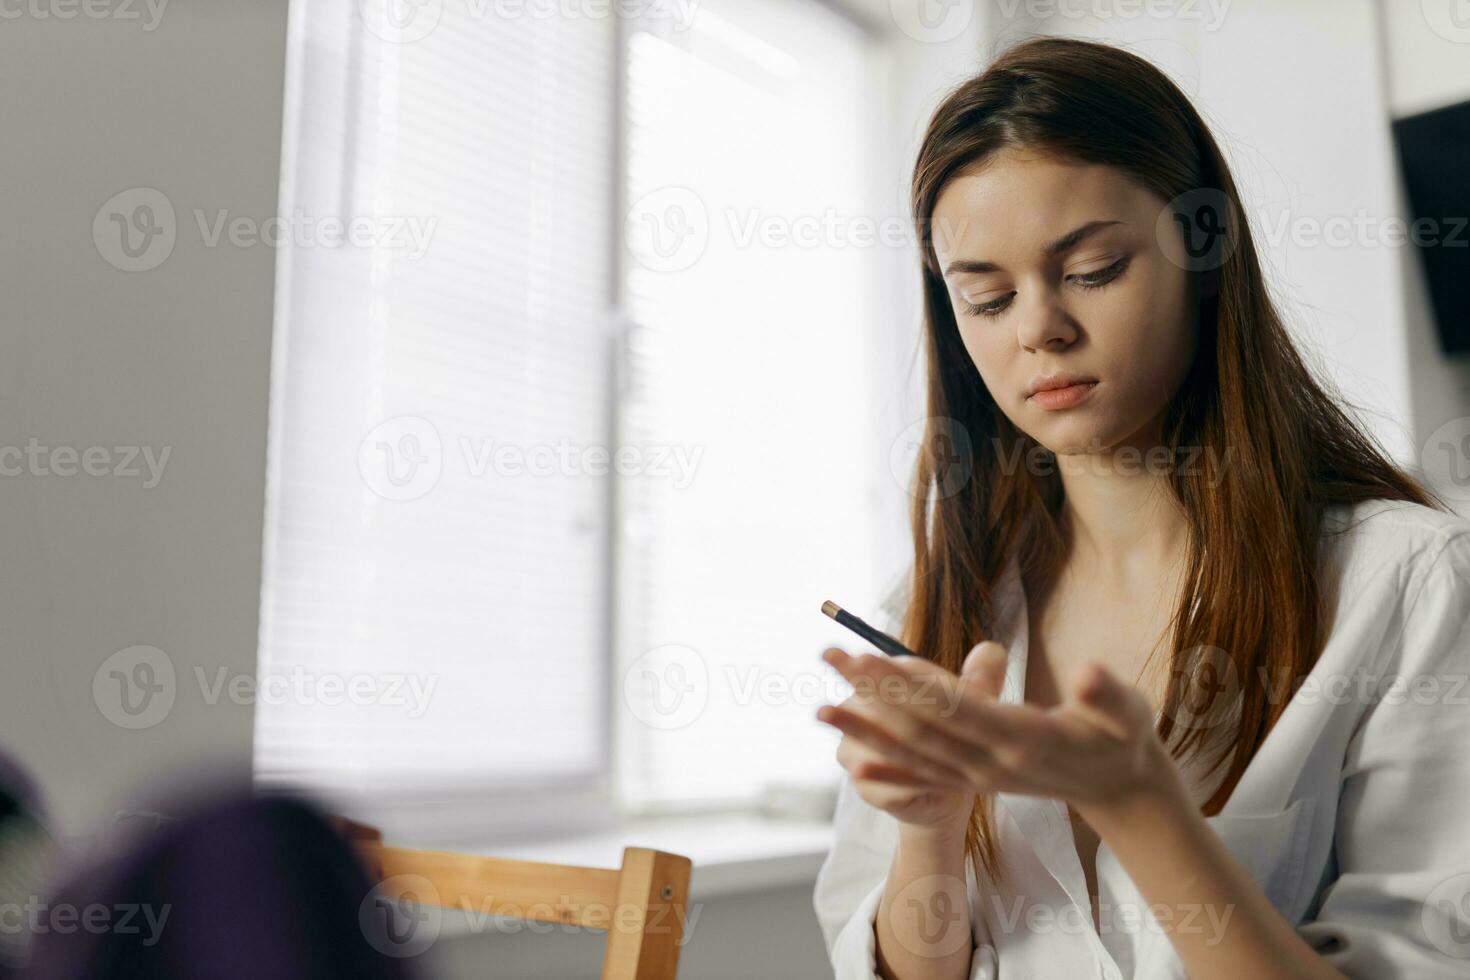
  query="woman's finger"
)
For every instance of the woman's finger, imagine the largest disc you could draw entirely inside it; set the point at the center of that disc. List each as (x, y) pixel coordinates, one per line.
(986, 665)
(889, 748)
(1104, 700)
(886, 772)
(969, 716)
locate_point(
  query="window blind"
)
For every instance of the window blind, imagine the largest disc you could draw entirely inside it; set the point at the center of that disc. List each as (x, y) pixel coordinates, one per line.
(438, 384)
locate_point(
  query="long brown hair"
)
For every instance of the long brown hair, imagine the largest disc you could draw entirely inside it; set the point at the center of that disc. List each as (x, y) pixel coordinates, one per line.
(1248, 399)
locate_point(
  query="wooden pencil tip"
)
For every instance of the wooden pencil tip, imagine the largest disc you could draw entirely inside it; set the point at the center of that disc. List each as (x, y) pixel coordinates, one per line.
(830, 608)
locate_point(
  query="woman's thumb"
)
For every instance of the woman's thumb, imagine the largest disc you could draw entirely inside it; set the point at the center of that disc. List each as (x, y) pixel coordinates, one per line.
(986, 665)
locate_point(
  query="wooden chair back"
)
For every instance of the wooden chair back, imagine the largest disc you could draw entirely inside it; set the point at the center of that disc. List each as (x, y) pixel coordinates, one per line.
(641, 905)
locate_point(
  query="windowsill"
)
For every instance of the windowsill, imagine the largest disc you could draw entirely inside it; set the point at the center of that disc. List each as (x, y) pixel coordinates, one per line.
(732, 854)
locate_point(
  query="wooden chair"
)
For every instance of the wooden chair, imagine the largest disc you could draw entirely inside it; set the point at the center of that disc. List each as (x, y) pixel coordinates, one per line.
(640, 905)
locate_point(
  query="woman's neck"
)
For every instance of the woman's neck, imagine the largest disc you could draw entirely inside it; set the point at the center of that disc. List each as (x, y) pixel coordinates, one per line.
(1120, 521)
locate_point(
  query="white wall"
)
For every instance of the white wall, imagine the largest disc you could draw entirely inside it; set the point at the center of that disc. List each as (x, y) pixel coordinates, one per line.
(1428, 62)
(185, 100)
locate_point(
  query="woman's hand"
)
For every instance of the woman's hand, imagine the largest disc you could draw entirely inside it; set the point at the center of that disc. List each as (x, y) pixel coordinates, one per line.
(1097, 750)
(923, 794)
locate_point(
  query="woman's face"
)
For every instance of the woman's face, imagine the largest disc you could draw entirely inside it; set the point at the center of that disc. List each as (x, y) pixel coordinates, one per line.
(1055, 268)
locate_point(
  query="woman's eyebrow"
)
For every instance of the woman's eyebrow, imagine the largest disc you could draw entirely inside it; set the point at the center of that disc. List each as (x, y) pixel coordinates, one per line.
(1056, 248)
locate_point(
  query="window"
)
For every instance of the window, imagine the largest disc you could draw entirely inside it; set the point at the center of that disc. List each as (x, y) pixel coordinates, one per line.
(497, 507)
(749, 351)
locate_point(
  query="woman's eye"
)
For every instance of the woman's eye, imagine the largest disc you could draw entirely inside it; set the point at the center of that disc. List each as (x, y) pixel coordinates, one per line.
(1087, 280)
(992, 308)
(1101, 277)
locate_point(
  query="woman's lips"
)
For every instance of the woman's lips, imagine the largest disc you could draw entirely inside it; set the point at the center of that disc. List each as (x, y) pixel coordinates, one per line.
(1056, 399)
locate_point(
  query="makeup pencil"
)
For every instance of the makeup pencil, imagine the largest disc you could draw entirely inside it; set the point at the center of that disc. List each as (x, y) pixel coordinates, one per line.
(877, 637)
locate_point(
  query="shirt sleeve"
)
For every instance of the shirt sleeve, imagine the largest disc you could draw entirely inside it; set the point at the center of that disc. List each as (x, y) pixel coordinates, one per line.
(1400, 905)
(850, 883)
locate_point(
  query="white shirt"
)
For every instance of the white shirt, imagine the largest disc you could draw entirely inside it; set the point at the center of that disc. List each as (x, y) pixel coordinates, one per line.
(1353, 816)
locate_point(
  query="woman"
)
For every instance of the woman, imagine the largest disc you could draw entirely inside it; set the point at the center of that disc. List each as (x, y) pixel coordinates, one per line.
(1218, 724)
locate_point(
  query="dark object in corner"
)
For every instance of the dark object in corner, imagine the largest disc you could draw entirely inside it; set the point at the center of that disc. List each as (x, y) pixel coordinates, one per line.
(1434, 151)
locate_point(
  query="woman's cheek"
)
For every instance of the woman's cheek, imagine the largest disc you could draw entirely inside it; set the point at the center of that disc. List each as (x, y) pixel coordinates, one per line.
(989, 363)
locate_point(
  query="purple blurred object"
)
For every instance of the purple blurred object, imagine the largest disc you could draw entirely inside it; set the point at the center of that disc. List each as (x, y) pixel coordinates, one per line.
(18, 790)
(247, 888)
(26, 854)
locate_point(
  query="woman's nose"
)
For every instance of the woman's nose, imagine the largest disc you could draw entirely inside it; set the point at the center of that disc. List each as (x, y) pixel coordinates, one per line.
(1045, 324)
